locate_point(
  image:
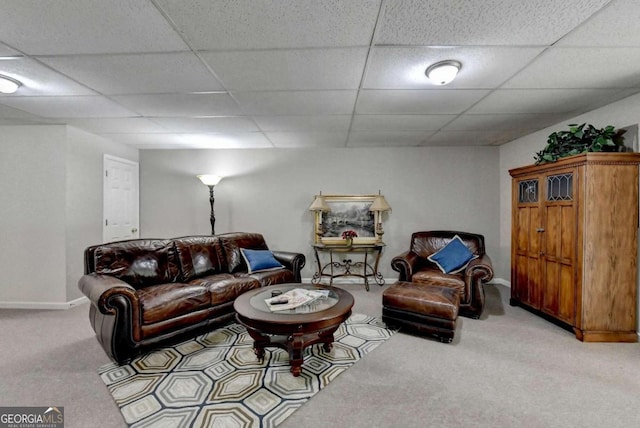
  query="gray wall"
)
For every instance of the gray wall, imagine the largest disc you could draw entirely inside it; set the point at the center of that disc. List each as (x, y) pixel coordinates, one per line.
(269, 191)
(51, 209)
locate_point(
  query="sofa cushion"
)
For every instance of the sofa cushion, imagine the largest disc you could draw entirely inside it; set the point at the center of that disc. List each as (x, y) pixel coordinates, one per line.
(259, 260)
(233, 242)
(270, 277)
(453, 257)
(140, 262)
(198, 256)
(165, 301)
(225, 288)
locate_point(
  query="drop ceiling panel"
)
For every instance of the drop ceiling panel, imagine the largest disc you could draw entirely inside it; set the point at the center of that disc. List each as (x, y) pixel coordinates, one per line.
(503, 122)
(614, 25)
(139, 73)
(86, 26)
(227, 124)
(289, 69)
(540, 100)
(581, 68)
(181, 105)
(250, 24)
(296, 102)
(482, 67)
(39, 80)
(308, 139)
(74, 106)
(304, 123)
(431, 101)
(487, 22)
(7, 112)
(471, 138)
(192, 141)
(117, 125)
(387, 138)
(400, 122)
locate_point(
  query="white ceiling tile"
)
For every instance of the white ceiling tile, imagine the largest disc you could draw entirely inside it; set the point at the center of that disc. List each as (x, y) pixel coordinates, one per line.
(387, 138)
(487, 22)
(614, 25)
(180, 105)
(581, 68)
(139, 73)
(225, 124)
(503, 122)
(40, 80)
(400, 122)
(248, 24)
(433, 101)
(246, 140)
(7, 112)
(304, 123)
(86, 26)
(289, 69)
(540, 100)
(74, 106)
(471, 138)
(119, 125)
(6, 51)
(296, 102)
(482, 67)
(308, 139)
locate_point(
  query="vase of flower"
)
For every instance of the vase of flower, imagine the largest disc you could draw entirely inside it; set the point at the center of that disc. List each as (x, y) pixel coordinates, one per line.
(348, 236)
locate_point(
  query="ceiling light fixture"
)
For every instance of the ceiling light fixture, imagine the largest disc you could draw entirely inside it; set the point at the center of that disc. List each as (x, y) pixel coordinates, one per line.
(443, 72)
(8, 85)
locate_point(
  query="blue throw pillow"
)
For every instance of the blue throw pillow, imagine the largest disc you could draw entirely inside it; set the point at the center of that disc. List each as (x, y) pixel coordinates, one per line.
(258, 260)
(453, 257)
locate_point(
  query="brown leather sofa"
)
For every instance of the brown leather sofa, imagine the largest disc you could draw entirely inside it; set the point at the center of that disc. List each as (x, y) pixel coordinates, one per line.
(144, 292)
(414, 267)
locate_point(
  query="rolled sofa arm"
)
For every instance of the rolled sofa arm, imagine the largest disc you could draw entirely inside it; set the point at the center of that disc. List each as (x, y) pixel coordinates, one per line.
(480, 268)
(405, 264)
(114, 314)
(293, 261)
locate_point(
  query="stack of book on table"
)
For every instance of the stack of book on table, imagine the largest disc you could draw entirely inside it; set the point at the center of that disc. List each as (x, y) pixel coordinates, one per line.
(294, 298)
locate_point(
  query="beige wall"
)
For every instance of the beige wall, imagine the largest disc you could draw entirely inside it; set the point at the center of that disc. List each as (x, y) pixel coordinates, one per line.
(269, 191)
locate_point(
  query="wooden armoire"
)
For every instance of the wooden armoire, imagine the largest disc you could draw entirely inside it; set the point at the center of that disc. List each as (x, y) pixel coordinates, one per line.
(574, 244)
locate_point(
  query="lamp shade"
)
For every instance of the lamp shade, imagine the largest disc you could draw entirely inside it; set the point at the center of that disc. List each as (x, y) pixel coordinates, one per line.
(8, 85)
(443, 72)
(319, 204)
(380, 204)
(209, 180)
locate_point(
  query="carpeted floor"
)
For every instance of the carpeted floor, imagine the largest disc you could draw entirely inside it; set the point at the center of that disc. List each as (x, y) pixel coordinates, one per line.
(216, 379)
(507, 369)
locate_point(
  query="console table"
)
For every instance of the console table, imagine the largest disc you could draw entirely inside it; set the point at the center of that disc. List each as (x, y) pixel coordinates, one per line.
(336, 268)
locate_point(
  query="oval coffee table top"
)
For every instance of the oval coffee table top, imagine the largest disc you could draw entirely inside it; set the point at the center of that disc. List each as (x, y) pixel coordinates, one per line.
(251, 306)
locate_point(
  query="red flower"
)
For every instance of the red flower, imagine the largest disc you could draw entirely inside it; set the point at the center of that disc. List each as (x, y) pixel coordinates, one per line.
(349, 234)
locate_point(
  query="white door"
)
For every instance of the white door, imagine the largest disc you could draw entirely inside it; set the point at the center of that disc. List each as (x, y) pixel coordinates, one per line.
(121, 203)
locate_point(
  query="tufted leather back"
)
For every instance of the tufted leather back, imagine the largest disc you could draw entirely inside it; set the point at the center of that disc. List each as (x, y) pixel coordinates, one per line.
(199, 255)
(138, 262)
(426, 243)
(233, 242)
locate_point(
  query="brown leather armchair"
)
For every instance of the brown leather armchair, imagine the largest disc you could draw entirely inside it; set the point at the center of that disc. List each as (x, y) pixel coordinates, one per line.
(415, 267)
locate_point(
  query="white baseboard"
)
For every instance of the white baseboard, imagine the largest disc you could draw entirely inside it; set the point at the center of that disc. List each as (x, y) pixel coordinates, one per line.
(44, 305)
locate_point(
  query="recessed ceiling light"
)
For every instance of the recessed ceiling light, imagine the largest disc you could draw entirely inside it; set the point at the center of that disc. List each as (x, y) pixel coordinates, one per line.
(8, 85)
(443, 72)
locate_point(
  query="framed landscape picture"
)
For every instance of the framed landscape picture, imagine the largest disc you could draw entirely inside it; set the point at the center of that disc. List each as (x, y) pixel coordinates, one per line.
(348, 212)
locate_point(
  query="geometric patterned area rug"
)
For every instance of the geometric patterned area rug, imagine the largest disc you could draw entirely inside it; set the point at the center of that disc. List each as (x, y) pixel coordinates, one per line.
(216, 379)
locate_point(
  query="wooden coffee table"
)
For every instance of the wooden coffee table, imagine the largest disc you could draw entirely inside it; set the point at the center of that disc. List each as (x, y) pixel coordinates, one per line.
(294, 329)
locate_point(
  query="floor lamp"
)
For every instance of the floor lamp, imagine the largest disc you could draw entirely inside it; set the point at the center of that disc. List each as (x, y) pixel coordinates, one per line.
(211, 181)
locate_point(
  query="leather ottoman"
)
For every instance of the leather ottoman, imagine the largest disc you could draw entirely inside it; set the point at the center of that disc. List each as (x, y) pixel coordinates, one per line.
(423, 309)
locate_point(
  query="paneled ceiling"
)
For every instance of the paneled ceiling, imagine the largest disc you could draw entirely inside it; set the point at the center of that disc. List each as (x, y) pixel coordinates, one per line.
(314, 73)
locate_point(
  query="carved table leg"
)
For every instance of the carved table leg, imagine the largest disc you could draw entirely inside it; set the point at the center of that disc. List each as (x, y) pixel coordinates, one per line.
(260, 341)
(295, 345)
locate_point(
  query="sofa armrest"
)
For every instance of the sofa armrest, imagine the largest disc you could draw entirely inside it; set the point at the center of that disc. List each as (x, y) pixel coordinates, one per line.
(293, 261)
(480, 268)
(405, 263)
(99, 289)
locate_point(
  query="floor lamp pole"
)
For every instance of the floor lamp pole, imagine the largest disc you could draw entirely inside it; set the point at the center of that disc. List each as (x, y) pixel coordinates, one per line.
(213, 216)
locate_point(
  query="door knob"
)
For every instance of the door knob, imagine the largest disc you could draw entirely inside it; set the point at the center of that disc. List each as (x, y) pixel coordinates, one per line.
(134, 230)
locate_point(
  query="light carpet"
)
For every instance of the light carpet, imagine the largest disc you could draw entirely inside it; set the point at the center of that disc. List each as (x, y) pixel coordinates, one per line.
(216, 380)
